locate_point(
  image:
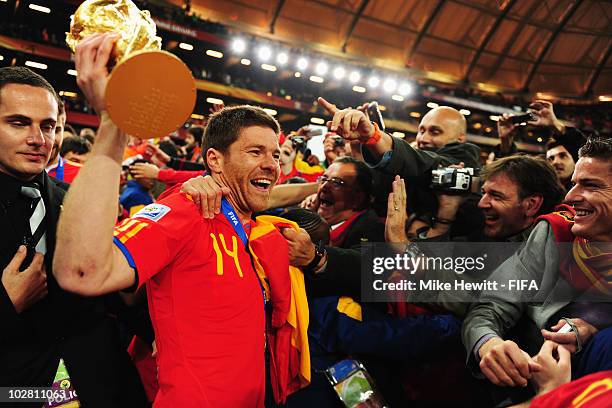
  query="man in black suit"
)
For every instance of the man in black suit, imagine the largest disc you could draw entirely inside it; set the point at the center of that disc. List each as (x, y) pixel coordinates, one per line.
(41, 323)
(344, 200)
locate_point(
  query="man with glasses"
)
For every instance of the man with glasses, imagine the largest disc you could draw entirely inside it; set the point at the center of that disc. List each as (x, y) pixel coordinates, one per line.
(344, 199)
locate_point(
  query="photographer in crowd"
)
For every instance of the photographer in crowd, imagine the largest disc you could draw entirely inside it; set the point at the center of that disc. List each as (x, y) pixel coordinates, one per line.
(294, 162)
(561, 149)
(441, 142)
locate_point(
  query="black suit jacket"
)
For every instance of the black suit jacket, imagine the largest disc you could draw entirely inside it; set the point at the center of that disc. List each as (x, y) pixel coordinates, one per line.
(415, 167)
(62, 325)
(342, 275)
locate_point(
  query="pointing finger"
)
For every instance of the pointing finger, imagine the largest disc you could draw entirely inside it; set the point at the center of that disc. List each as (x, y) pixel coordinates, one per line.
(329, 107)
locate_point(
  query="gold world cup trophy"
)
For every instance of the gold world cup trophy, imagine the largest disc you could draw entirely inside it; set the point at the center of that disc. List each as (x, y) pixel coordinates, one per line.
(150, 92)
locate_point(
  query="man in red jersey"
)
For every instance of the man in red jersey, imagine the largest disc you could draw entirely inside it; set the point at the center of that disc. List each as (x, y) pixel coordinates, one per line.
(205, 301)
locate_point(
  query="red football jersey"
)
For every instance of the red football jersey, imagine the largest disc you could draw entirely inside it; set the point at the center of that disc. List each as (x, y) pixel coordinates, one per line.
(205, 302)
(591, 391)
(69, 171)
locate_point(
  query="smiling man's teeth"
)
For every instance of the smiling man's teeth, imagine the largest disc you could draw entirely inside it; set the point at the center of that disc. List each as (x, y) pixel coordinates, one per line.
(582, 213)
(262, 182)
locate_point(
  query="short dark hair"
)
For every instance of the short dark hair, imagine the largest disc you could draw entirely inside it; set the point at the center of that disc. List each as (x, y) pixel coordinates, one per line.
(224, 127)
(364, 179)
(572, 142)
(25, 76)
(197, 132)
(533, 176)
(597, 147)
(69, 129)
(76, 144)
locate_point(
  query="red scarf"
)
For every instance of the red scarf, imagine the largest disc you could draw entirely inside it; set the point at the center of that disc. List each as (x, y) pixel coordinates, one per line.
(338, 235)
(585, 267)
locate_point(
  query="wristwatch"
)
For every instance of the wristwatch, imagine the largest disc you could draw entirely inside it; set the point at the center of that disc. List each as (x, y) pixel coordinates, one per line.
(319, 254)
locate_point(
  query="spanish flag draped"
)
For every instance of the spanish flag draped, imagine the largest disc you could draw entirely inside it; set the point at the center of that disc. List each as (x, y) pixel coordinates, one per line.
(587, 267)
(285, 289)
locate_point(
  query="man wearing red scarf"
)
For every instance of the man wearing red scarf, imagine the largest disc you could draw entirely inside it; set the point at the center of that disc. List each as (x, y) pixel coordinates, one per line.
(343, 201)
(569, 256)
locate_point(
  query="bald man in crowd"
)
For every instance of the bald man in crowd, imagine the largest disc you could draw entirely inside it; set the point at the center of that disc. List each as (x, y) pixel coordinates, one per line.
(440, 142)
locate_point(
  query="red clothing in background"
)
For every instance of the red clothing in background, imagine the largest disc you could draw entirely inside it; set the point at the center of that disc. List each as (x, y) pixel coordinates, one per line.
(69, 170)
(171, 176)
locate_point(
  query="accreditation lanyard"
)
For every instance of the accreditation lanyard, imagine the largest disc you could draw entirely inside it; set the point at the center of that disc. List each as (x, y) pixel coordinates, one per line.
(232, 217)
(59, 170)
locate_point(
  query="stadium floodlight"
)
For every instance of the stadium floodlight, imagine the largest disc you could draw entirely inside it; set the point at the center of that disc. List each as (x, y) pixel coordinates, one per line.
(214, 53)
(297, 74)
(404, 89)
(354, 76)
(302, 64)
(359, 89)
(401, 135)
(239, 46)
(464, 112)
(264, 53)
(494, 118)
(185, 46)
(389, 85)
(339, 72)
(432, 105)
(316, 79)
(214, 101)
(70, 72)
(34, 64)
(42, 9)
(398, 98)
(68, 94)
(245, 61)
(318, 121)
(373, 82)
(282, 58)
(268, 67)
(321, 68)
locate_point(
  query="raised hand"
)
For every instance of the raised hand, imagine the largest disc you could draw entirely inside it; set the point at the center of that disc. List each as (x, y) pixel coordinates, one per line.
(395, 224)
(351, 124)
(91, 59)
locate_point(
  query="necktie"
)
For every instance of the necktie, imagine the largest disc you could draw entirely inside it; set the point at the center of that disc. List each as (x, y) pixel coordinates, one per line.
(37, 226)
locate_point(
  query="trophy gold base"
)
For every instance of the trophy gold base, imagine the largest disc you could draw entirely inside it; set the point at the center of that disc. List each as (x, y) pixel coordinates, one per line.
(150, 94)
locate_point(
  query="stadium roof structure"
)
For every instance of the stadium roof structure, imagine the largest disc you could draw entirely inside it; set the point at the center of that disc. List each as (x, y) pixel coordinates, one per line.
(556, 47)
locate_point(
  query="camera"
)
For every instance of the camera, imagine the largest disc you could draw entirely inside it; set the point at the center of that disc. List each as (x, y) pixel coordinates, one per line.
(338, 141)
(453, 180)
(375, 116)
(298, 143)
(523, 118)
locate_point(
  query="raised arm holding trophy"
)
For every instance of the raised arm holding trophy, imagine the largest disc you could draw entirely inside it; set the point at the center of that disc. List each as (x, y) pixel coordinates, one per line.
(150, 92)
